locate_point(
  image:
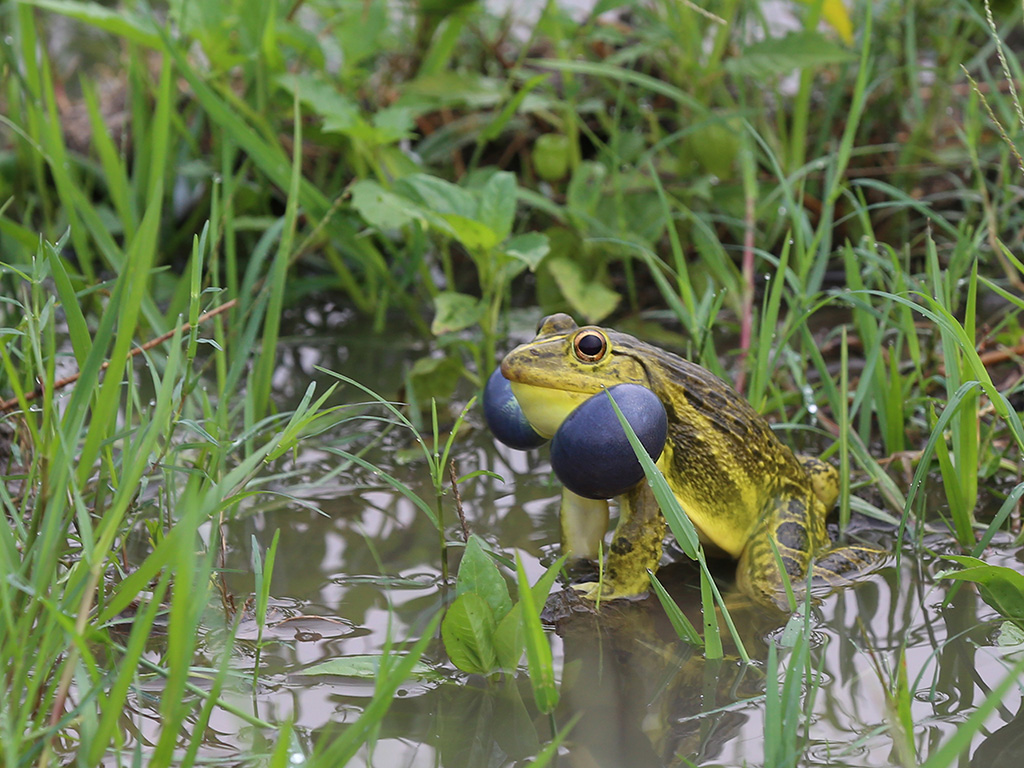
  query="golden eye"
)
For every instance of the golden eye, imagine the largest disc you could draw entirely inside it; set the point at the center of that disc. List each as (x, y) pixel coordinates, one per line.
(589, 346)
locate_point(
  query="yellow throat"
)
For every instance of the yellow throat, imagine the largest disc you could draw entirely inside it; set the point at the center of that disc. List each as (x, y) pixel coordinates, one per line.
(546, 408)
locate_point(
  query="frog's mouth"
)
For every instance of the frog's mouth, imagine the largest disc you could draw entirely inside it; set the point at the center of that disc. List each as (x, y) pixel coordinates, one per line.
(546, 408)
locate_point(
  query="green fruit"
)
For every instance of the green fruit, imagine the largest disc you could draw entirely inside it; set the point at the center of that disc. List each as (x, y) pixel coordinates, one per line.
(551, 156)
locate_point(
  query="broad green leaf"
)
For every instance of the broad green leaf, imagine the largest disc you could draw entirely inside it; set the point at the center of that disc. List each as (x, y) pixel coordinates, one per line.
(551, 156)
(393, 124)
(468, 634)
(781, 55)
(454, 311)
(589, 298)
(479, 574)
(198, 19)
(381, 208)
(1010, 635)
(510, 636)
(538, 650)
(367, 666)
(281, 35)
(475, 235)
(1001, 587)
(441, 89)
(529, 248)
(360, 32)
(437, 195)
(714, 145)
(510, 639)
(340, 114)
(497, 208)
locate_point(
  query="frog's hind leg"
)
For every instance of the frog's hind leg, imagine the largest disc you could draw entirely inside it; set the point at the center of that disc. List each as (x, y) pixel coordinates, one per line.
(791, 528)
(635, 548)
(840, 563)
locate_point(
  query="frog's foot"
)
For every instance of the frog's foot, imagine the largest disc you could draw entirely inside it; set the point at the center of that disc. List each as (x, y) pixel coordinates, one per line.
(598, 591)
(843, 564)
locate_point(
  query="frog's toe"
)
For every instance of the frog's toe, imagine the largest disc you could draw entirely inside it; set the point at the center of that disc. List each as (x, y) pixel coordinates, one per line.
(589, 590)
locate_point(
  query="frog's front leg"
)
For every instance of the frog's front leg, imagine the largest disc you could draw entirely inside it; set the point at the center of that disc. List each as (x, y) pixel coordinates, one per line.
(635, 548)
(584, 523)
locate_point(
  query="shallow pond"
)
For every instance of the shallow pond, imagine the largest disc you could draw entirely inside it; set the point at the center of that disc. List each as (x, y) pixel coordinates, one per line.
(358, 566)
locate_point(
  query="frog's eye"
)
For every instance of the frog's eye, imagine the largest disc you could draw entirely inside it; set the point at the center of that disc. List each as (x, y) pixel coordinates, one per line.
(589, 346)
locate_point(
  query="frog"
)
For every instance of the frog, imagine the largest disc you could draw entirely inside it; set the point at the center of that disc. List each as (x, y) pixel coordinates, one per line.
(749, 496)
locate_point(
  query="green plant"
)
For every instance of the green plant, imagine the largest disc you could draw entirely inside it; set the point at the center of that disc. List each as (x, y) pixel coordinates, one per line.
(437, 461)
(483, 631)
(69, 593)
(480, 217)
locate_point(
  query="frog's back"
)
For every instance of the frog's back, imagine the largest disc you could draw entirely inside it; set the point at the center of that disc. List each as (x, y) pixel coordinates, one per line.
(722, 459)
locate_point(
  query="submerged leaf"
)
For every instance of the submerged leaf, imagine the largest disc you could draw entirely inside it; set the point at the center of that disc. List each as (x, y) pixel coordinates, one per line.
(365, 666)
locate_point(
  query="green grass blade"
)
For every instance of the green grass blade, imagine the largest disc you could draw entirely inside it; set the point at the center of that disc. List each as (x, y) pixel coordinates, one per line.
(538, 650)
(683, 626)
(276, 280)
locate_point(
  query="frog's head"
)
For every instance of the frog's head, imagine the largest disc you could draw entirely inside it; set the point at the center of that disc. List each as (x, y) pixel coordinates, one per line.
(565, 364)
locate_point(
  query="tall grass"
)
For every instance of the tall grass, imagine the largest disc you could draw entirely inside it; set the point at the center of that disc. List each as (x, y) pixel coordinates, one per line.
(135, 448)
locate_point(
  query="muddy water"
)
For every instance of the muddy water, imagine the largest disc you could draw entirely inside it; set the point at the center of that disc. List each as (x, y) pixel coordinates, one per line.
(358, 564)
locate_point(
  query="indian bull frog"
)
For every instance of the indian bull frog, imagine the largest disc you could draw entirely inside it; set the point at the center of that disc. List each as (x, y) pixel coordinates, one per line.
(740, 486)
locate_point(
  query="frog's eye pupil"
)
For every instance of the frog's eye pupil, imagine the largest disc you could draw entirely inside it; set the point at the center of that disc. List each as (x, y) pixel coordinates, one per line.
(590, 346)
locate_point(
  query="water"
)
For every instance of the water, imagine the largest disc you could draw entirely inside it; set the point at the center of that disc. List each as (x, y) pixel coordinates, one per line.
(358, 563)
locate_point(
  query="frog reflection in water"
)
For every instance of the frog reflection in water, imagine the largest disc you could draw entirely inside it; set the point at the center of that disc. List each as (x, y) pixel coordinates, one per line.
(747, 494)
